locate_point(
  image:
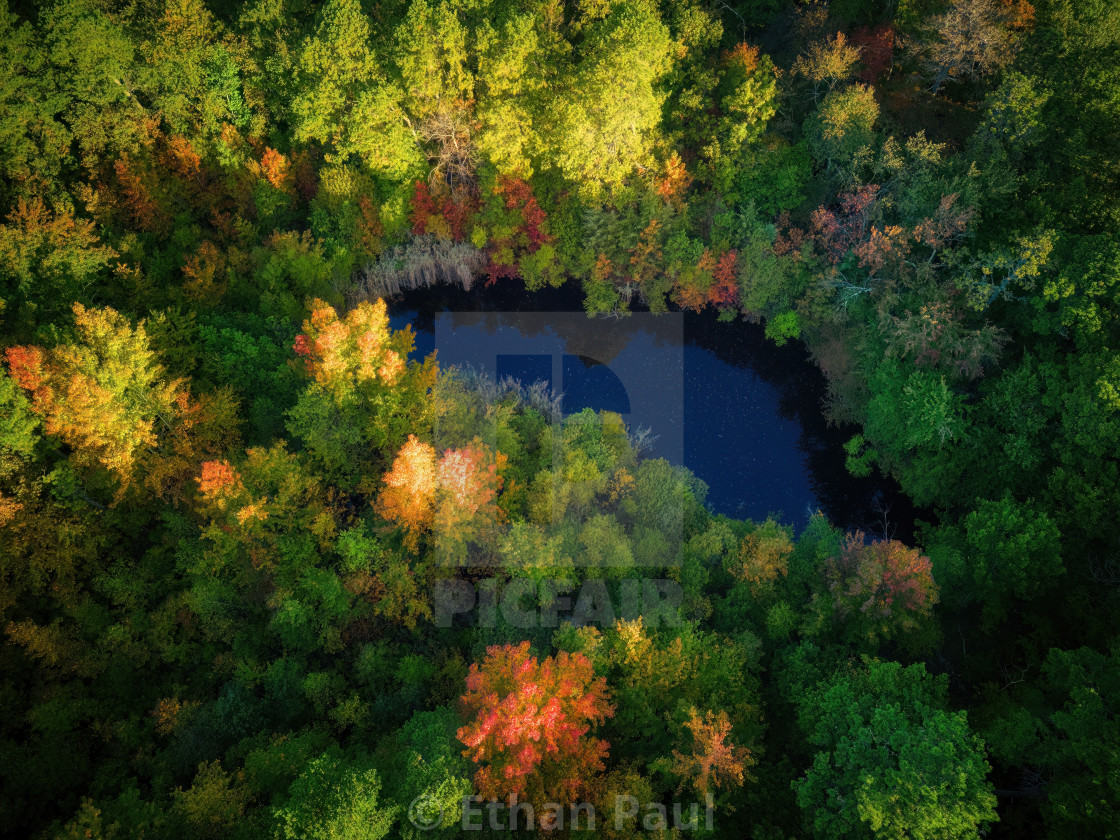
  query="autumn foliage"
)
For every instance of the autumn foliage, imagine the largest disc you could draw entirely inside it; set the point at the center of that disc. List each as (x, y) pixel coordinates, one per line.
(104, 395)
(420, 491)
(342, 354)
(763, 554)
(529, 723)
(876, 50)
(715, 761)
(442, 215)
(410, 489)
(888, 583)
(518, 227)
(674, 181)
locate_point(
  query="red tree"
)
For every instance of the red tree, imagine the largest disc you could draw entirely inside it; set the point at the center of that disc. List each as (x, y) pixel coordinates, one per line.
(725, 290)
(518, 195)
(837, 233)
(529, 723)
(423, 208)
(876, 50)
(888, 583)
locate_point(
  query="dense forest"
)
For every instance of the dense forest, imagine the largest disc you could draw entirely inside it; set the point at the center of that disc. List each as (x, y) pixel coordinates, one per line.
(264, 573)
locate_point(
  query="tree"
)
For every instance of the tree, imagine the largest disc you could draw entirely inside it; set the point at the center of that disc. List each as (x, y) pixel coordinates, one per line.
(335, 798)
(914, 421)
(606, 120)
(33, 140)
(828, 63)
(410, 489)
(432, 771)
(450, 494)
(364, 397)
(18, 424)
(876, 50)
(1061, 729)
(516, 231)
(214, 803)
(715, 761)
(892, 762)
(660, 678)
(105, 395)
(842, 128)
(971, 38)
(763, 554)
(749, 98)
(177, 70)
(431, 55)
(98, 71)
(516, 62)
(201, 429)
(1006, 549)
(884, 587)
(996, 274)
(47, 261)
(528, 725)
(936, 336)
(346, 99)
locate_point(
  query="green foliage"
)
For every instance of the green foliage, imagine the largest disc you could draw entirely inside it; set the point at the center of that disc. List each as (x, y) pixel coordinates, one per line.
(430, 769)
(47, 260)
(912, 420)
(841, 132)
(227, 630)
(18, 426)
(346, 99)
(891, 762)
(1004, 550)
(335, 798)
(774, 175)
(606, 125)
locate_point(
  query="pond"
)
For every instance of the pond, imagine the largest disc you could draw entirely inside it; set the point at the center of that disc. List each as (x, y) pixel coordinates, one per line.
(742, 413)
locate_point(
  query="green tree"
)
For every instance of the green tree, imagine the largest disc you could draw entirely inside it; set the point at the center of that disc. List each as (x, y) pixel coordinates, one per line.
(915, 420)
(513, 69)
(99, 72)
(335, 798)
(892, 761)
(1004, 549)
(431, 769)
(1063, 731)
(606, 121)
(842, 130)
(33, 140)
(346, 100)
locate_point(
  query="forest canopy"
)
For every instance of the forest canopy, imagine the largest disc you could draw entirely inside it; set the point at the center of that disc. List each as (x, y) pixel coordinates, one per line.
(267, 573)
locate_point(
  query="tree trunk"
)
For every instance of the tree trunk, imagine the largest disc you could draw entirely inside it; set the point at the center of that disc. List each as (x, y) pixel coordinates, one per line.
(942, 75)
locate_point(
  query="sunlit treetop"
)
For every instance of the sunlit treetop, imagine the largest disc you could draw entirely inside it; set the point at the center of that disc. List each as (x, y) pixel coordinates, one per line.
(105, 395)
(528, 725)
(344, 354)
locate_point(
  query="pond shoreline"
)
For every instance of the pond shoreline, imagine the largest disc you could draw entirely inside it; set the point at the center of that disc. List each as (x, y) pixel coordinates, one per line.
(782, 381)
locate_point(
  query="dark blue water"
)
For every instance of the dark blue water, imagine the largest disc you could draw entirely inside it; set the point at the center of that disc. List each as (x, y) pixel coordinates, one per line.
(741, 413)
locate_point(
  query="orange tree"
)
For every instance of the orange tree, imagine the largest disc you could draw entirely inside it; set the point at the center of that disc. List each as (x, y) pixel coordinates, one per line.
(529, 723)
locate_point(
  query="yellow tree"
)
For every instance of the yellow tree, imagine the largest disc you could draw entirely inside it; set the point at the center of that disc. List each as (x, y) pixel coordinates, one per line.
(763, 554)
(104, 395)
